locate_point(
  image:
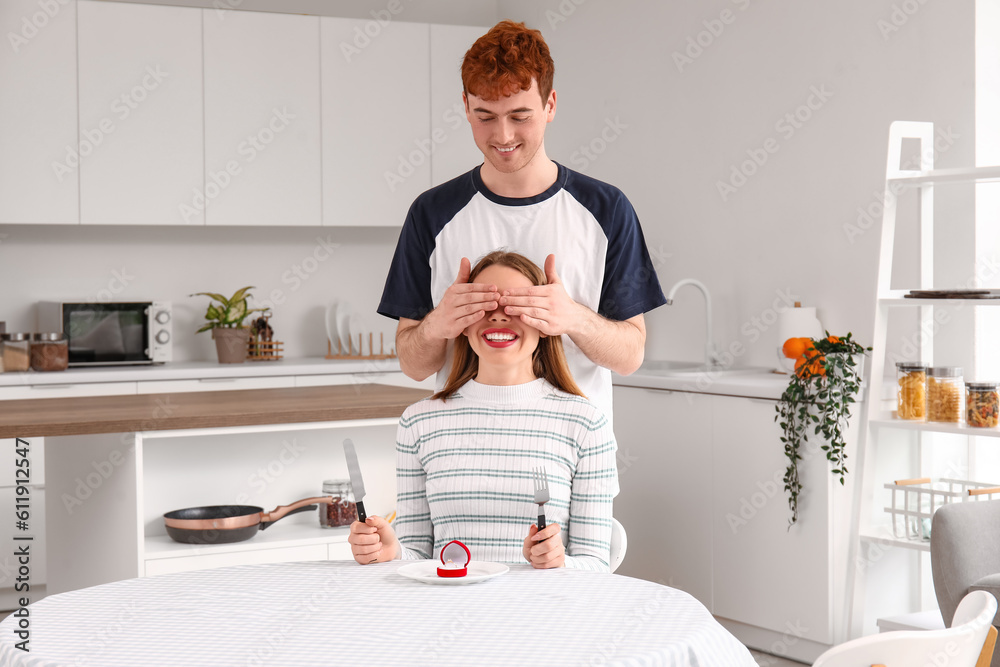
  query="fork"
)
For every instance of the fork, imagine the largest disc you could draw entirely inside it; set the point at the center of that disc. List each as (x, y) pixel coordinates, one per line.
(541, 479)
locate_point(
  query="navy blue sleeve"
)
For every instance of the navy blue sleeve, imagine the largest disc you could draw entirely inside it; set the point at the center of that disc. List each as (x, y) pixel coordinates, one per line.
(631, 286)
(407, 291)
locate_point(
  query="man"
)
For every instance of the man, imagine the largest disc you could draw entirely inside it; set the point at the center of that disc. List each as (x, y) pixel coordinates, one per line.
(584, 232)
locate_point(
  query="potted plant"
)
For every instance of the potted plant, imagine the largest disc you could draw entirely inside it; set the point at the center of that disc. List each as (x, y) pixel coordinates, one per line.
(225, 319)
(818, 402)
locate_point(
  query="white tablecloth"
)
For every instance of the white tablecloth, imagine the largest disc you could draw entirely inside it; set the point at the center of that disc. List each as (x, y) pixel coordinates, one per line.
(340, 613)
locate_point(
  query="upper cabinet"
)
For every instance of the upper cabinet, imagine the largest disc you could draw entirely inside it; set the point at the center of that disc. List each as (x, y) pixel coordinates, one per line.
(454, 150)
(121, 113)
(39, 178)
(262, 119)
(377, 141)
(140, 114)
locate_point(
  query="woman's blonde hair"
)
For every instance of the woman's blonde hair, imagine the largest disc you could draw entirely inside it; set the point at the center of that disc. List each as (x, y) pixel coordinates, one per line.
(547, 361)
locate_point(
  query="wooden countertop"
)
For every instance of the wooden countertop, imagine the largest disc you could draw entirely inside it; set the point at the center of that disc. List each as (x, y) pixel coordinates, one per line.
(160, 412)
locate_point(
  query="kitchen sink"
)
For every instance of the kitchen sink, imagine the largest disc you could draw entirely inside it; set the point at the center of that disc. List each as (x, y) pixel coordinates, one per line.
(670, 368)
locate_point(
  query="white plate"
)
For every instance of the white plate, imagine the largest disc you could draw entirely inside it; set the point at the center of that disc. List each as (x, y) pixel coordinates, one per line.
(344, 328)
(426, 572)
(330, 320)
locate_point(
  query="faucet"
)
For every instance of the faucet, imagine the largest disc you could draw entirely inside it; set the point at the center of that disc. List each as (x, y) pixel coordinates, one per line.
(712, 358)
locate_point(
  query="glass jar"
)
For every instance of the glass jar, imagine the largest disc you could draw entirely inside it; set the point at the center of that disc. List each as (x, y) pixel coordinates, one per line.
(343, 511)
(911, 391)
(49, 352)
(15, 351)
(982, 403)
(944, 394)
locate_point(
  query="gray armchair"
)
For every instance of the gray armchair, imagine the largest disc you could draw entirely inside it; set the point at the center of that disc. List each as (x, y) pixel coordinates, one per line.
(965, 554)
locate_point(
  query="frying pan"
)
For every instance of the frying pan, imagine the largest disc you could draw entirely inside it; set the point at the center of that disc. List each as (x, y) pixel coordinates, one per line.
(222, 524)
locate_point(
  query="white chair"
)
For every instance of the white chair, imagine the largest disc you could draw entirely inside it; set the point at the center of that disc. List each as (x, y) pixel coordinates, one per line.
(958, 646)
(619, 543)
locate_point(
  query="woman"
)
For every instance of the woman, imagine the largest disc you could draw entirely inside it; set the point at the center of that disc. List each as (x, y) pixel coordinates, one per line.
(465, 455)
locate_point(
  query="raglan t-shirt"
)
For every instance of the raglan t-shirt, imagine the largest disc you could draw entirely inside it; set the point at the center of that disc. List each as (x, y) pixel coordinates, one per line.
(590, 226)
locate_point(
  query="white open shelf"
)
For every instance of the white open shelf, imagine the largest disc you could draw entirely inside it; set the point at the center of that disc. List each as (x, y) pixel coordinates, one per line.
(899, 300)
(889, 420)
(883, 541)
(934, 176)
(278, 535)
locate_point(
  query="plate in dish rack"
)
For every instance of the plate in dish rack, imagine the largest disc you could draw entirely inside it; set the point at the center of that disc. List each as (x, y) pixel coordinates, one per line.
(426, 572)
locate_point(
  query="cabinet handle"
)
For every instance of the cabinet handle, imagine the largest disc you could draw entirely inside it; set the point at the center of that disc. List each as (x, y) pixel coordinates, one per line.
(51, 386)
(218, 379)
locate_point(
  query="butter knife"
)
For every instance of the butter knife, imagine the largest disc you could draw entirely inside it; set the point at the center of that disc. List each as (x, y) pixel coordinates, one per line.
(357, 482)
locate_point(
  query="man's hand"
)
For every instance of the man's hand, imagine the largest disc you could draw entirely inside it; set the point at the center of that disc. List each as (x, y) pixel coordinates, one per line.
(547, 308)
(463, 303)
(544, 549)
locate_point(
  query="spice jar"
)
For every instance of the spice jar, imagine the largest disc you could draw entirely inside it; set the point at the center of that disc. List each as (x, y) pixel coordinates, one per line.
(343, 511)
(16, 355)
(49, 352)
(944, 394)
(982, 403)
(911, 393)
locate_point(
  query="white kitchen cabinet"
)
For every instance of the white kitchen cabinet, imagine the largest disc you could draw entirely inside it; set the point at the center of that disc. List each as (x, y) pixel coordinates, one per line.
(377, 141)
(36, 520)
(764, 573)
(454, 150)
(262, 119)
(140, 69)
(665, 470)
(39, 181)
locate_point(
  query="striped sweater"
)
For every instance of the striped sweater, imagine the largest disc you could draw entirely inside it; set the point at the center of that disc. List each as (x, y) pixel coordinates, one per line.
(463, 470)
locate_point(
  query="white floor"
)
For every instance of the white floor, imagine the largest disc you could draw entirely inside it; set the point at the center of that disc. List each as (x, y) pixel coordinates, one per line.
(766, 660)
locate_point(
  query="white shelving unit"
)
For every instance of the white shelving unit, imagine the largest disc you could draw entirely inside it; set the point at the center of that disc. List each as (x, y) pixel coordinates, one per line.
(108, 494)
(870, 526)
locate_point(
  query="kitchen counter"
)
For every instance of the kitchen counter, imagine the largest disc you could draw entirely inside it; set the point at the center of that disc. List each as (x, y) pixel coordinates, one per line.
(158, 412)
(197, 370)
(762, 383)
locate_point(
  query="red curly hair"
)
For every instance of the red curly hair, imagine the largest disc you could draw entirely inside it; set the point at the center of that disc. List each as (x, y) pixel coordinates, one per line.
(505, 60)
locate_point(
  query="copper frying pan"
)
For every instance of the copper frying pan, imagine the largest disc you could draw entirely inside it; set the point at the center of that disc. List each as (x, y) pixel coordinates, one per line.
(222, 524)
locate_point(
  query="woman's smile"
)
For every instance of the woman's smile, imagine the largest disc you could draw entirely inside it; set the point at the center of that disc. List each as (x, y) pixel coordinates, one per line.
(499, 337)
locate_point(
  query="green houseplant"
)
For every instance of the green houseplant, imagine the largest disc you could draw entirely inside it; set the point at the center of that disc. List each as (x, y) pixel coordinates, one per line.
(225, 317)
(817, 403)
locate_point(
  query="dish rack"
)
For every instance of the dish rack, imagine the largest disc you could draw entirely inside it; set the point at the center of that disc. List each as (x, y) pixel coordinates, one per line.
(914, 502)
(347, 354)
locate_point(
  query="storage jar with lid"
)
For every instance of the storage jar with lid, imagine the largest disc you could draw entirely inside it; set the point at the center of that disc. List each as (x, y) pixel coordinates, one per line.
(343, 511)
(944, 394)
(911, 391)
(982, 402)
(49, 352)
(15, 351)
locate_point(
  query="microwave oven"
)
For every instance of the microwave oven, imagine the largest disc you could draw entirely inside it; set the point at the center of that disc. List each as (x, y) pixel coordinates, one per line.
(111, 333)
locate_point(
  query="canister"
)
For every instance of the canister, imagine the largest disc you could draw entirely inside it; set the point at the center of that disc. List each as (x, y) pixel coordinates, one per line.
(49, 352)
(343, 511)
(982, 401)
(15, 351)
(944, 394)
(911, 390)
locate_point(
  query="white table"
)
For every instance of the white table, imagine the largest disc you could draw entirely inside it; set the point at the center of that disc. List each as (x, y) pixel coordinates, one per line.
(340, 613)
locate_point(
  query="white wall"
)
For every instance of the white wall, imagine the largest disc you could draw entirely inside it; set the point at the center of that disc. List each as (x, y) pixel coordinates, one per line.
(675, 134)
(293, 267)
(684, 130)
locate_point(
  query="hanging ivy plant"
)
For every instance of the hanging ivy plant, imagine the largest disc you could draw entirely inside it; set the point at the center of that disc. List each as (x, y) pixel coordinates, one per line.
(818, 399)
